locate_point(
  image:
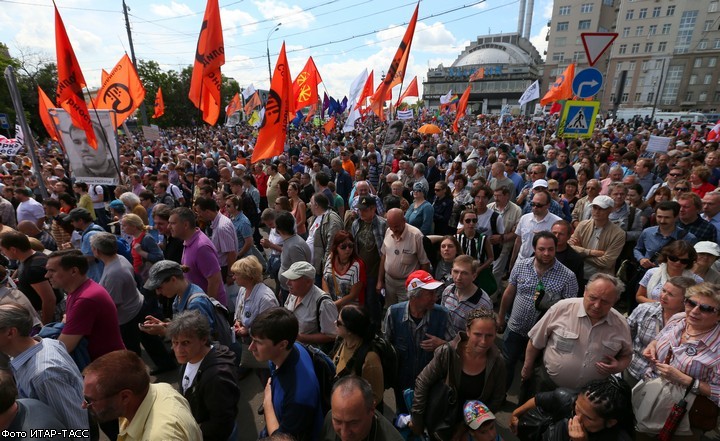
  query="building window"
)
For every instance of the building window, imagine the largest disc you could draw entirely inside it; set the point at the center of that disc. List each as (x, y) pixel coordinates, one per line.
(713, 6)
(637, 96)
(612, 97)
(707, 79)
(622, 49)
(658, 64)
(584, 24)
(693, 79)
(562, 26)
(629, 14)
(648, 47)
(631, 68)
(712, 62)
(586, 8)
(626, 32)
(643, 13)
(558, 56)
(716, 43)
(656, 12)
(708, 25)
(689, 96)
(635, 48)
(560, 41)
(685, 31)
(662, 46)
(651, 96)
(564, 10)
(579, 56)
(624, 97)
(716, 96)
(702, 96)
(652, 30)
(608, 2)
(698, 62)
(702, 44)
(645, 65)
(666, 28)
(639, 31)
(672, 85)
(670, 10)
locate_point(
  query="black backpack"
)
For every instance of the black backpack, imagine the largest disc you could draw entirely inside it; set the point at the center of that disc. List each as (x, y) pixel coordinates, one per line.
(325, 373)
(223, 330)
(388, 359)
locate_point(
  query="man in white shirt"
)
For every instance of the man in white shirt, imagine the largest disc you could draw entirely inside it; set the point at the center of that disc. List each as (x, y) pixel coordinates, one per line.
(29, 209)
(539, 219)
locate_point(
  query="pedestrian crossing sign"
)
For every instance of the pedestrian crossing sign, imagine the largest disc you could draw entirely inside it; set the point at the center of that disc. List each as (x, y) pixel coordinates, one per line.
(578, 119)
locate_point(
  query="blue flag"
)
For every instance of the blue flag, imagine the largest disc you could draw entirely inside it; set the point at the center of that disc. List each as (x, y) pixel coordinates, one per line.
(334, 107)
(343, 104)
(298, 119)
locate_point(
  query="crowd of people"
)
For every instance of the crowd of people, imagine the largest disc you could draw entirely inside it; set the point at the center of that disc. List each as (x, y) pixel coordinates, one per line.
(449, 268)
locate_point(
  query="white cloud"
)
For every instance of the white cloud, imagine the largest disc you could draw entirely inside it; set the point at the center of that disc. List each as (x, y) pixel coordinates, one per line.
(482, 5)
(435, 38)
(174, 9)
(547, 10)
(235, 18)
(539, 41)
(291, 16)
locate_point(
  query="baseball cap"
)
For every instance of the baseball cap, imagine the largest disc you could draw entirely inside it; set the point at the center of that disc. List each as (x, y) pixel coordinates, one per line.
(540, 183)
(603, 202)
(476, 414)
(708, 247)
(365, 202)
(421, 280)
(77, 214)
(160, 272)
(117, 204)
(299, 269)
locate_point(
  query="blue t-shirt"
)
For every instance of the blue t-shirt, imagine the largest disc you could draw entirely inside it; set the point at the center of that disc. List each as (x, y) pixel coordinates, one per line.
(199, 303)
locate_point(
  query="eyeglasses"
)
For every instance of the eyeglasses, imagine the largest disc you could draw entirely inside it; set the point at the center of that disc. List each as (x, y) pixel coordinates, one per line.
(538, 205)
(89, 401)
(345, 246)
(706, 309)
(553, 190)
(682, 189)
(439, 189)
(472, 220)
(675, 175)
(677, 259)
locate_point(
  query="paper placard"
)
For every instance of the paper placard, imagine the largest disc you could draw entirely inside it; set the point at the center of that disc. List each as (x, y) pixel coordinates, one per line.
(658, 144)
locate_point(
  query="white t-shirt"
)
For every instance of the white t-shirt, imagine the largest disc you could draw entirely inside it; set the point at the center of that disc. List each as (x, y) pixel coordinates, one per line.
(94, 191)
(311, 234)
(191, 371)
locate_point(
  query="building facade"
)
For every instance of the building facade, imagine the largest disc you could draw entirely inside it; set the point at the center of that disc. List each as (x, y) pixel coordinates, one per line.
(510, 64)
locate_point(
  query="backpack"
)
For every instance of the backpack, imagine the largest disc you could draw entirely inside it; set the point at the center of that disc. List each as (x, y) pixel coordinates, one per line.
(325, 373)
(223, 332)
(388, 359)
(123, 246)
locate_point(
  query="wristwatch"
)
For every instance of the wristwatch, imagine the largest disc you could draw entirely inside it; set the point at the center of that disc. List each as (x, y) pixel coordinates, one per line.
(695, 386)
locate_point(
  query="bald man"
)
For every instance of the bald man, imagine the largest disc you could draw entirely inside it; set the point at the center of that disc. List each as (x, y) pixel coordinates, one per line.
(402, 253)
(31, 230)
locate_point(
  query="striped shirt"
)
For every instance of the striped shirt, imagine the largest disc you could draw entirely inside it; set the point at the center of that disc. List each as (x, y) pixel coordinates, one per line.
(223, 237)
(473, 247)
(459, 310)
(698, 358)
(645, 323)
(46, 372)
(339, 285)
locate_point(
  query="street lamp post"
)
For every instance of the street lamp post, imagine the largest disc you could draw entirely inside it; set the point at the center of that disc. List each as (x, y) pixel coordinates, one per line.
(267, 46)
(657, 92)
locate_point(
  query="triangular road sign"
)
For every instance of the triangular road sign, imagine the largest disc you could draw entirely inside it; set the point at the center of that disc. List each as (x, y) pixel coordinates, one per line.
(596, 43)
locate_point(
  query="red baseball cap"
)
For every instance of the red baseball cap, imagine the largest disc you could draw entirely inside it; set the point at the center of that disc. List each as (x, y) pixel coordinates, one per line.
(421, 279)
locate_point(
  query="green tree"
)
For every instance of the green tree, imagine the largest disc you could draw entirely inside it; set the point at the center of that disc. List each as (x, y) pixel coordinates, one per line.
(6, 105)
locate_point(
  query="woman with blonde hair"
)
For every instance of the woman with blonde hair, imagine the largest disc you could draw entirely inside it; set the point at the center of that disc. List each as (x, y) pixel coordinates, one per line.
(132, 202)
(145, 250)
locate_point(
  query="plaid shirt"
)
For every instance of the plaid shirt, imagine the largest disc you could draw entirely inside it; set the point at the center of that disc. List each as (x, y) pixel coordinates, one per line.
(645, 323)
(701, 228)
(379, 228)
(559, 283)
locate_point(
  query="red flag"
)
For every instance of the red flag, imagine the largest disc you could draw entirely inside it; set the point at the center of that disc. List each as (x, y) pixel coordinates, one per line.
(367, 91)
(305, 85)
(252, 103)
(412, 90)
(45, 104)
(396, 71)
(209, 56)
(329, 126)
(233, 106)
(561, 89)
(462, 107)
(121, 91)
(310, 114)
(478, 74)
(556, 107)
(159, 104)
(273, 130)
(71, 82)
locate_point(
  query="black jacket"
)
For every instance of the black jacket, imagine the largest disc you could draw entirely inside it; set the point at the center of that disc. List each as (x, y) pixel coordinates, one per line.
(214, 394)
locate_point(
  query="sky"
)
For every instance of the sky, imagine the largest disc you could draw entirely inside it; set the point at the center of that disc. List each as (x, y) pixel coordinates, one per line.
(342, 36)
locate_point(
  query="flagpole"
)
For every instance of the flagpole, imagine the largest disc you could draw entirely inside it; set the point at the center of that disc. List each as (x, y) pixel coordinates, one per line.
(105, 138)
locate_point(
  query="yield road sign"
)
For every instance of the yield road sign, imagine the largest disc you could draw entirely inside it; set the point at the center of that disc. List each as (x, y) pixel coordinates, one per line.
(587, 83)
(596, 43)
(578, 119)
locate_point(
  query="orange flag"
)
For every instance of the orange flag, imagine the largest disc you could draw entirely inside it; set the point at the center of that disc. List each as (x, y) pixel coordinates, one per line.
(121, 91)
(462, 107)
(233, 106)
(412, 90)
(209, 56)
(561, 89)
(478, 74)
(305, 85)
(311, 113)
(103, 76)
(71, 82)
(329, 126)
(45, 104)
(159, 104)
(252, 103)
(367, 91)
(273, 130)
(396, 71)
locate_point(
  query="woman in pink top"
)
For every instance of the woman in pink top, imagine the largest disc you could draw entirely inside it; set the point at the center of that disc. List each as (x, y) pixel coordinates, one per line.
(299, 209)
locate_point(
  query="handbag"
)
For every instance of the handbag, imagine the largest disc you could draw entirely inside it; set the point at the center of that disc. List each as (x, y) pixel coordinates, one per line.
(653, 401)
(703, 413)
(442, 409)
(628, 270)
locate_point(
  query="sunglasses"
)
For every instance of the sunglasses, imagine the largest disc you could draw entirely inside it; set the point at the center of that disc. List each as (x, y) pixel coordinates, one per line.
(535, 204)
(677, 259)
(553, 190)
(345, 246)
(471, 220)
(682, 189)
(707, 309)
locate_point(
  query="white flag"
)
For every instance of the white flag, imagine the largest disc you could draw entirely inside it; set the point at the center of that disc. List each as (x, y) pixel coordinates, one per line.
(247, 93)
(356, 88)
(446, 98)
(405, 114)
(349, 125)
(19, 134)
(531, 93)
